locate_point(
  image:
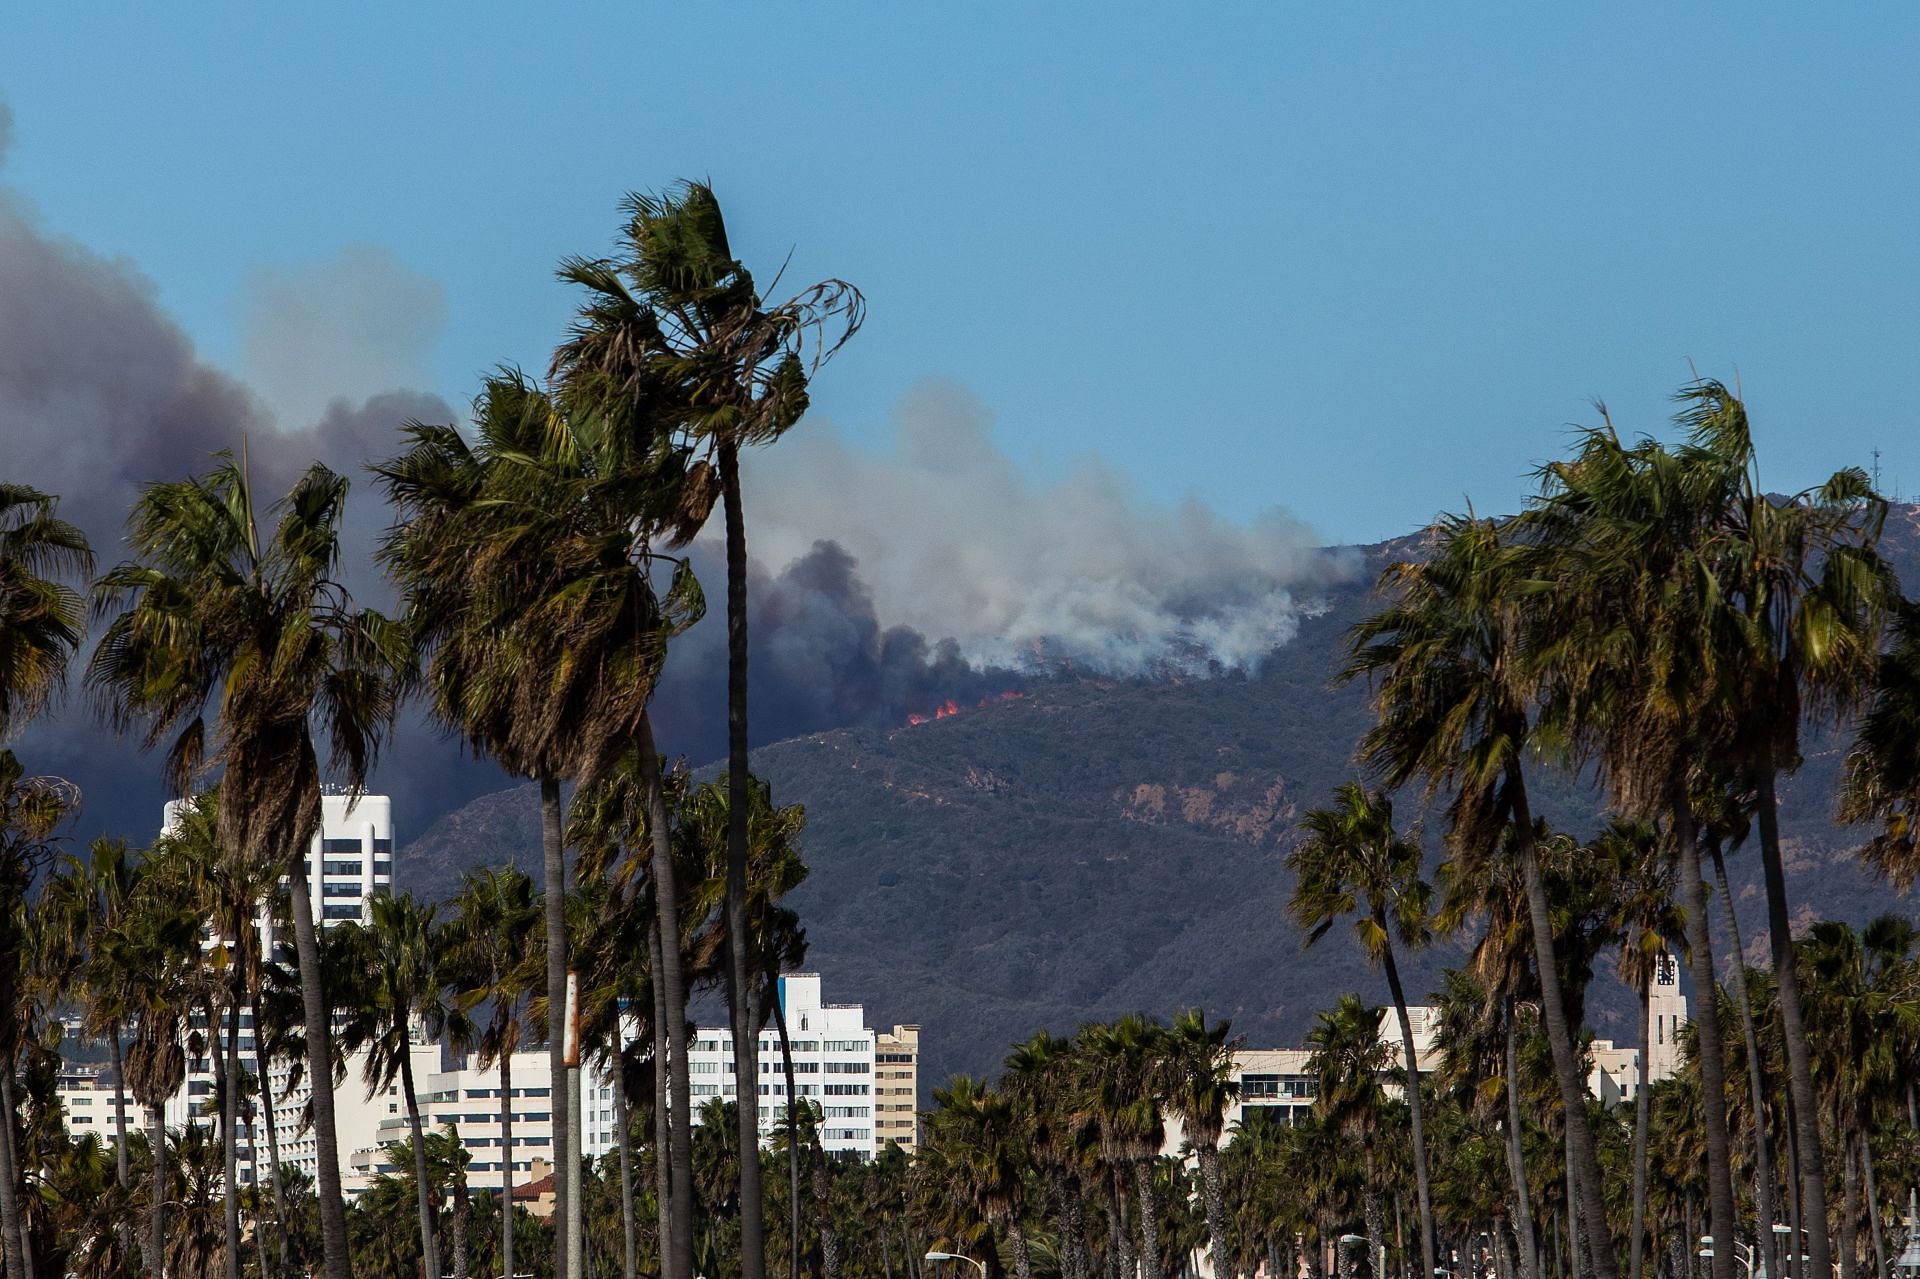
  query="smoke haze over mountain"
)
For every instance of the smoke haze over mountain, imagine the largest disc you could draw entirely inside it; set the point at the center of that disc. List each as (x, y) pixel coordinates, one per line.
(883, 587)
(955, 540)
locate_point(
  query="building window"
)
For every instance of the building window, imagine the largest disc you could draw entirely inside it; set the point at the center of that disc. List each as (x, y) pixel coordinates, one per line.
(340, 846)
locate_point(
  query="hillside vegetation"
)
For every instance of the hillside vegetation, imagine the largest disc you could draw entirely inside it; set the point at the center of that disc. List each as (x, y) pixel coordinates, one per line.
(1102, 846)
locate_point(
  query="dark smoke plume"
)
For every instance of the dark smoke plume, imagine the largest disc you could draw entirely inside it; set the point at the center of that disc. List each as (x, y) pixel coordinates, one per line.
(100, 393)
(819, 657)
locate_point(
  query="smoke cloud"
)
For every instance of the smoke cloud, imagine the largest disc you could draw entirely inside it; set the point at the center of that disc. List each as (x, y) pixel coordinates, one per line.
(101, 392)
(882, 587)
(954, 540)
(819, 658)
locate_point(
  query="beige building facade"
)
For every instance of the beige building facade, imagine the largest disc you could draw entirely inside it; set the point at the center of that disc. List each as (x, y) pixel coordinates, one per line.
(896, 1089)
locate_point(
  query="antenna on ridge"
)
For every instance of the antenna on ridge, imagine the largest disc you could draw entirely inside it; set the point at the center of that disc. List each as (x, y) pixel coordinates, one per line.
(1876, 468)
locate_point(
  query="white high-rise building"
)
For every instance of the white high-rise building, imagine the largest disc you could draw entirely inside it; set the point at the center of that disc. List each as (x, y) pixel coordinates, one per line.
(833, 1066)
(349, 860)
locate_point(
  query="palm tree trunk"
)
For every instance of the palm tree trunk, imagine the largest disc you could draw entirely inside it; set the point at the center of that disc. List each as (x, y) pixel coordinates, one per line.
(1786, 976)
(506, 1160)
(1711, 1055)
(1873, 1201)
(1215, 1191)
(429, 1237)
(1756, 1080)
(623, 1144)
(122, 1173)
(1415, 1108)
(157, 1202)
(823, 1212)
(1796, 1268)
(1516, 1156)
(261, 1063)
(1150, 1266)
(1073, 1231)
(664, 1173)
(1553, 1015)
(739, 961)
(1849, 1207)
(1022, 1263)
(676, 1251)
(793, 1142)
(678, 1262)
(12, 1218)
(1576, 1255)
(1642, 1105)
(554, 854)
(1120, 1259)
(319, 1035)
(230, 1133)
(462, 1224)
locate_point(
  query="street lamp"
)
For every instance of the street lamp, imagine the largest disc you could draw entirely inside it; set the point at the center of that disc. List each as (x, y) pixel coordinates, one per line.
(954, 1256)
(1379, 1253)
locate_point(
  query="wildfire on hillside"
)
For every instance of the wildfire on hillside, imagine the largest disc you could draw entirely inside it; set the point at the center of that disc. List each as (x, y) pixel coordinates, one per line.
(951, 707)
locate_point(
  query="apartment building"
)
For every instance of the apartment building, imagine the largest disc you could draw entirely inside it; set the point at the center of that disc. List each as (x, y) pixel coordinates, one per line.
(833, 1065)
(349, 860)
(896, 1089)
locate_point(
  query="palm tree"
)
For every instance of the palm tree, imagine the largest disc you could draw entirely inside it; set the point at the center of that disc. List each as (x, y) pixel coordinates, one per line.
(107, 881)
(1040, 1075)
(233, 892)
(392, 987)
(214, 609)
(1347, 1061)
(1648, 922)
(524, 560)
(1813, 591)
(1197, 1073)
(1353, 861)
(1648, 653)
(1452, 687)
(630, 812)
(1120, 1061)
(42, 619)
(1882, 782)
(488, 938)
(156, 949)
(676, 328)
(32, 810)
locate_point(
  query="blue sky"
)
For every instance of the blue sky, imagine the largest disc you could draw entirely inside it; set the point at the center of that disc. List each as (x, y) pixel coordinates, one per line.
(1362, 262)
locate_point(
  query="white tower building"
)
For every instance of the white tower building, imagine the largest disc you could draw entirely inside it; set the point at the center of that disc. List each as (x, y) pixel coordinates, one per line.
(349, 860)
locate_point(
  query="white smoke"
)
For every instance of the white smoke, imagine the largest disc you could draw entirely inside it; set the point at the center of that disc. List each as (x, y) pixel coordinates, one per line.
(954, 540)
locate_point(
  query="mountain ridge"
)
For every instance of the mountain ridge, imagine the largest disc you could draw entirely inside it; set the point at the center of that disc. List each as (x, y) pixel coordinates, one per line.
(1098, 846)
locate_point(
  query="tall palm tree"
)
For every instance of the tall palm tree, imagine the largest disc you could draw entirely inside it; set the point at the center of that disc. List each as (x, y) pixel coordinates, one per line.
(107, 881)
(219, 616)
(675, 327)
(1808, 579)
(32, 810)
(1643, 650)
(233, 892)
(1355, 862)
(156, 948)
(1648, 921)
(1196, 1067)
(393, 990)
(631, 812)
(524, 560)
(1041, 1075)
(490, 934)
(1120, 1061)
(1347, 1060)
(1447, 656)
